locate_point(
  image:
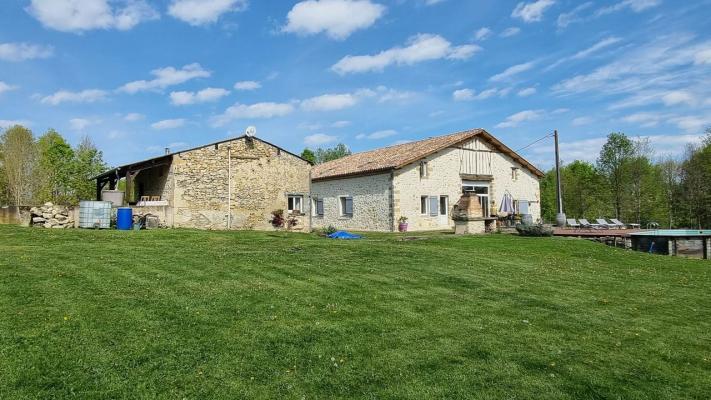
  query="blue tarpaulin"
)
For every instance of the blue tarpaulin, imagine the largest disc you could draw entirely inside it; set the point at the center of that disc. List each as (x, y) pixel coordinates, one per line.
(343, 235)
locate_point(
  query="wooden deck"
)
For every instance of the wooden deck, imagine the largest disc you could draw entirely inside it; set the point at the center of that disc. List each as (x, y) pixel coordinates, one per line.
(594, 233)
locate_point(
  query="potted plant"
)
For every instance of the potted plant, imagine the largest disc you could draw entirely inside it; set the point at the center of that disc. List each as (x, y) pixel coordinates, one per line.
(402, 224)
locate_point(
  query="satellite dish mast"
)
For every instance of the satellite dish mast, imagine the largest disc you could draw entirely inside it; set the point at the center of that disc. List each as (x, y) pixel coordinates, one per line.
(251, 131)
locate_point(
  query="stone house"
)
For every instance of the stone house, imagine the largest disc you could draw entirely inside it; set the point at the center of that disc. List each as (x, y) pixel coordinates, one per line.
(231, 184)
(422, 181)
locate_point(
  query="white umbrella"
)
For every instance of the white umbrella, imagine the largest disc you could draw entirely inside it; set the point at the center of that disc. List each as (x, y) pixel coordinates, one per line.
(506, 206)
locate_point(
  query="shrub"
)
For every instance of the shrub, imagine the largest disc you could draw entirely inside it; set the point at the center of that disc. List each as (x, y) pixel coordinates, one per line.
(329, 230)
(277, 220)
(534, 230)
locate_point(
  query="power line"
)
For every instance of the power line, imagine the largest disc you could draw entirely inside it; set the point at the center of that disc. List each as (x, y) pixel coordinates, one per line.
(536, 141)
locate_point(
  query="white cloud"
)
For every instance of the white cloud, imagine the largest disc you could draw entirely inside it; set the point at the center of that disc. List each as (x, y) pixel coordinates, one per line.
(665, 62)
(83, 15)
(253, 111)
(329, 102)
(4, 87)
(133, 117)
(79, 124)
(511, 71)
(172, 147)
(203, 12)
(645, 120)
(203, 96)
(596, 47)
(561, 110)
(8, 123)
(337, 18)
(340, 124)
(470, 95)
(168, 76)
(24, 51)
(692, 124)
(318, 139)
(168, 124)
(483, 33)
(247, 85)
(678, 97)
(378, 134)
(527, 92)
(419, 48)
(634, 5)
(512, 31)
(386, 95)
(565, 19)
(514, 120)
(531, 12)
(703, 57)
(580, 121)
(85, 96)
(463, 95)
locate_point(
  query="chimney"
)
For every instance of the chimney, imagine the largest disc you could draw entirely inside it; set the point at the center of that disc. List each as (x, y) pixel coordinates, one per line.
(167, 150)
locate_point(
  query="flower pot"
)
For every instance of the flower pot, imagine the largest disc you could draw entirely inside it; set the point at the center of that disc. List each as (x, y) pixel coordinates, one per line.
(402, 227)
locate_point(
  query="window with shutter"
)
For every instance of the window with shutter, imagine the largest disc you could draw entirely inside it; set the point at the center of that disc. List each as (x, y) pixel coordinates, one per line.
(319, 207)
(423, 205)
(434, 206)
(346, 206)
(443, 205)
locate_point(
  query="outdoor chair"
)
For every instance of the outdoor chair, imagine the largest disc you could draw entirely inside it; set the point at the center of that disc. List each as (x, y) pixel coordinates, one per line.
(620, 224)
(585, 224)
(572, 223)
(605, 224)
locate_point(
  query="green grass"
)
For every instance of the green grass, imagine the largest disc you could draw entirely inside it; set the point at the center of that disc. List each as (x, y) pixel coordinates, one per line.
(204, 315)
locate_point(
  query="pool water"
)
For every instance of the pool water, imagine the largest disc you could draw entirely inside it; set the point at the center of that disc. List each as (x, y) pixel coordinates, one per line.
(674, 232)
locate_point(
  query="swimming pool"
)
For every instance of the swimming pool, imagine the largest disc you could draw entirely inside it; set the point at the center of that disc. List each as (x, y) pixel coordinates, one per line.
(674, 232)
(691, 243)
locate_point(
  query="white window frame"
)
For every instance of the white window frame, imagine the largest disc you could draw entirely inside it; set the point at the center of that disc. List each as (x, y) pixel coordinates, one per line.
(342, 204)
(424, 172)
(484, 199)
(314, 207)
(291, 201)
(446, 205)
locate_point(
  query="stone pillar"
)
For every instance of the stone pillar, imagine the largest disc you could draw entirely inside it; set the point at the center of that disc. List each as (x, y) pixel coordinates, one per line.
(672, 246)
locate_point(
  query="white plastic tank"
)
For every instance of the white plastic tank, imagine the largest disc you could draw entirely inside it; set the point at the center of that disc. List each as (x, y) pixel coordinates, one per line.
(114, 196)
(95, 214)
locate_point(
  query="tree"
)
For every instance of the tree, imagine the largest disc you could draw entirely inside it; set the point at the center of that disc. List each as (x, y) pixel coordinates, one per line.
(88, 162)
(308, 155)
(696, 183)
(669, 173)
(614, 159)
(54, 172)
(330, 154)
(18, 161)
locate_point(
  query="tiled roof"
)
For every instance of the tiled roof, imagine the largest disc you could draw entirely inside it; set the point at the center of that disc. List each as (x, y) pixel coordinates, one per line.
(392, 157)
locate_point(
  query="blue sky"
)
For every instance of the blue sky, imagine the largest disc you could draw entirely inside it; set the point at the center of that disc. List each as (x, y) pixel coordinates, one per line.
(141, 75)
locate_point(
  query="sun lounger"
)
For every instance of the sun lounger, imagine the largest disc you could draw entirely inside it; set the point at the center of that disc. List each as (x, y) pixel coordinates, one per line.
(572, 223)
(605, 224)
(585, 224)
(620, 224)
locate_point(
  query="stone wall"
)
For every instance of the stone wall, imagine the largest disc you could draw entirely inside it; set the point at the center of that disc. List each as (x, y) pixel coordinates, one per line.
(262, 178)
(443, 180)
(371, 202)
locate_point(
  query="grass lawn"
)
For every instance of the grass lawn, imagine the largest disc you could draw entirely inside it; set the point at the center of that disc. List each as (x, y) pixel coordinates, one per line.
(204, 315)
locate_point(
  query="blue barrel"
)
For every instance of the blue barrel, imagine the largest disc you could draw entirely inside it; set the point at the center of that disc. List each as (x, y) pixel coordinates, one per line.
(124, 219)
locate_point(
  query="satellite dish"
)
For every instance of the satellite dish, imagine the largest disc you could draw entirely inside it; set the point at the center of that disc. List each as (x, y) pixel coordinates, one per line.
(251, 131)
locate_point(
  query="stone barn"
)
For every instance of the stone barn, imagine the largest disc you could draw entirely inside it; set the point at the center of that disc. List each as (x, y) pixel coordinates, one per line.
(232, 184)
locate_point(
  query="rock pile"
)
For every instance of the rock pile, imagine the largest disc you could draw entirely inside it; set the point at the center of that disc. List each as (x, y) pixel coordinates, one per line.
(51, 216)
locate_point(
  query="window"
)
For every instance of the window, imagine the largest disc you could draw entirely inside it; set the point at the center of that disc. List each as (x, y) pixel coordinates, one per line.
(423, 169)
(482, 191)
(443, 205)
(295, 204)
(434, 205)
(346, 206)
(522, 207)
(318, 207)
(514, 173)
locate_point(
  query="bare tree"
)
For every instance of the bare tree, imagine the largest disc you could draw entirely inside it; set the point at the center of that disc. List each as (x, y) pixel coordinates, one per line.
(18, 160)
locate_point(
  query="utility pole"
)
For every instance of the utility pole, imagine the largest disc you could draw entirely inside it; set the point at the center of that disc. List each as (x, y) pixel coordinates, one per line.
(560, 216)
